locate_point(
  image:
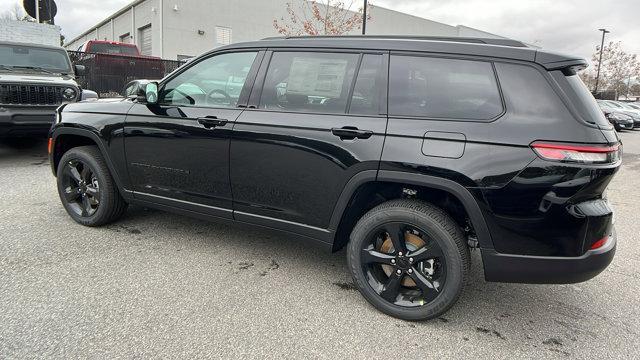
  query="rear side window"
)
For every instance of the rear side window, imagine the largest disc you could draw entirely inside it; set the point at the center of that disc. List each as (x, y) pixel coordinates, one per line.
(585, 102)
(308, 82)
(443, 88)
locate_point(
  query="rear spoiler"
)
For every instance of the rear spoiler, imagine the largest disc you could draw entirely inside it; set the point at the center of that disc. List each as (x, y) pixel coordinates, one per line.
(553, 61)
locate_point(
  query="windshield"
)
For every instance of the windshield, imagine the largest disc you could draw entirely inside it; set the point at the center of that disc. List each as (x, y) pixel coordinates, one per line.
(53, 60)
(115, 49)
(587, 104)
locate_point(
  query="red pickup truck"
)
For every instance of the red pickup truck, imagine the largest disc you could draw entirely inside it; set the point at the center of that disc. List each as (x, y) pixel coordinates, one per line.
(110, 65)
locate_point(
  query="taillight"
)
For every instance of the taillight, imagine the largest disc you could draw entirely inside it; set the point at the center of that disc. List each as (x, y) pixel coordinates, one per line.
(600, 243)
(585, 154)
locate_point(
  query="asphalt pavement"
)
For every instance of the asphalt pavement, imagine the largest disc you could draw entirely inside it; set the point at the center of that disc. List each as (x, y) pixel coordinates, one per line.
(160, 285)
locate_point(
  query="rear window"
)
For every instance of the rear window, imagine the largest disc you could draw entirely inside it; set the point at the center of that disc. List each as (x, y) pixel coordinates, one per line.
(443, 88)
(586, 103)
(115, 49)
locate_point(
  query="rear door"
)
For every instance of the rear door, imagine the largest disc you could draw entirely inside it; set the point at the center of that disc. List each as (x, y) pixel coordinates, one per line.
(309, 128)
(178, 151)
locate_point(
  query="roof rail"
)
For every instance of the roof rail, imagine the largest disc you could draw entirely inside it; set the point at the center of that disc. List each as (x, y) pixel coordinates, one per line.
(487, 41)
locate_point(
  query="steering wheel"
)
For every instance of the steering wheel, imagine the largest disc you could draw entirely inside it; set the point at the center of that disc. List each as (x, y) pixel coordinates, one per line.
(217, 101)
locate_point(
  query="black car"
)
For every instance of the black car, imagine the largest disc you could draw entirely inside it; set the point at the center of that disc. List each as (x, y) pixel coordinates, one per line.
(619, 118)
(408, 151)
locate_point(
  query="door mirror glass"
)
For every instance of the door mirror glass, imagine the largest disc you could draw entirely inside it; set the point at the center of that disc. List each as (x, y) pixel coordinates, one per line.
(151, 92)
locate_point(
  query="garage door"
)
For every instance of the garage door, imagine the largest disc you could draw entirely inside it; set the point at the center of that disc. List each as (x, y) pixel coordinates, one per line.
(146, 41)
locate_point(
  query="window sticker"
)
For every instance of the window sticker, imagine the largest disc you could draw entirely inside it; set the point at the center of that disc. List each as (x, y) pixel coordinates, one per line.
(317, 77)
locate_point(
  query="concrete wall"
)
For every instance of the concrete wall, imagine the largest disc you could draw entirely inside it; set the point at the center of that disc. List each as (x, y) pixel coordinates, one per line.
(189, 26)
(29, 32)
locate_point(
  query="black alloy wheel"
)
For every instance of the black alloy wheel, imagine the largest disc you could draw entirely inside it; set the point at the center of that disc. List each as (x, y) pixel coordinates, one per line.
(87, 189)
(403, 265)
(409, 259)
(81, 188)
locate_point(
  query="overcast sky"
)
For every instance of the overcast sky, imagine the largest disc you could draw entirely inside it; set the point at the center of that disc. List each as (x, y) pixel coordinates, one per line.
(562, 25)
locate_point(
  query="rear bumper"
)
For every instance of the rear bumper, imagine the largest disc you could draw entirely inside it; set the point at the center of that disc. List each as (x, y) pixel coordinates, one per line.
(26, 121)
(547, 269)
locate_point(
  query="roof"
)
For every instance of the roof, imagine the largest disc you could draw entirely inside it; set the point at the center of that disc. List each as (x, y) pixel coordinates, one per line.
(32, 45)
(494, 48)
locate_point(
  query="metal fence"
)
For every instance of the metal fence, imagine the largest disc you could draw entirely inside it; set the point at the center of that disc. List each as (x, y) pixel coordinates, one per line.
(107, 74)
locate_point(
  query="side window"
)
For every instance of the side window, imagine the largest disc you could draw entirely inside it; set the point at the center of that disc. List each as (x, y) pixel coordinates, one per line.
(213, 82)
(308, 82)
(443, 88)
(367, 91)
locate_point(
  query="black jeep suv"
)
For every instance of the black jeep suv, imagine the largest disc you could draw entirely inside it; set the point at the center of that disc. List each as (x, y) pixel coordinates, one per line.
(408, 151)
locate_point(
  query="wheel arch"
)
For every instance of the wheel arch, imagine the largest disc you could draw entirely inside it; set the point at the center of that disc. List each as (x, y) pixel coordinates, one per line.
(365, 190)
(65, 139)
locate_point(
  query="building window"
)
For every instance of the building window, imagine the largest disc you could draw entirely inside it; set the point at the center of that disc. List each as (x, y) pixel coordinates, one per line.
(184, 57)
(125, 38)
(146, 40)
(223, 35)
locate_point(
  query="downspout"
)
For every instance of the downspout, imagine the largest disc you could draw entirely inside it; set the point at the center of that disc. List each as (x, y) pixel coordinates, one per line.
(133, 33)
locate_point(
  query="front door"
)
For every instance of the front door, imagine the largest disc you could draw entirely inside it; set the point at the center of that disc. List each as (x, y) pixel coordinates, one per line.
(178, 150)
(315, 119)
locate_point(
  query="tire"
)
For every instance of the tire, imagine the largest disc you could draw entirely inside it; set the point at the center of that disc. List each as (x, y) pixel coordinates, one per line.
(436, 229)
(100, 191)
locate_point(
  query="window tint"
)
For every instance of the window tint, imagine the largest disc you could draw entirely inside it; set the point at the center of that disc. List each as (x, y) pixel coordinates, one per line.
(585, 103)
(443, 88)
(214, 82)
(309, 82)
(366, 93)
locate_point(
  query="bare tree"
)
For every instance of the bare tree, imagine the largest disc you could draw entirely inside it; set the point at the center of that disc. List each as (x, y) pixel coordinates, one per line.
(619, 68)
(16, 13)
(313, 18)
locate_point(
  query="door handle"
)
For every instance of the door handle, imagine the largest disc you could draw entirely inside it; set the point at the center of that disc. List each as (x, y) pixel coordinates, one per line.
(210, 122)
(351, 132)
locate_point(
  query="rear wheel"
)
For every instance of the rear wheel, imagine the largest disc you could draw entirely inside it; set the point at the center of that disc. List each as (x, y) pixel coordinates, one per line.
(408, 259)
(86, 188)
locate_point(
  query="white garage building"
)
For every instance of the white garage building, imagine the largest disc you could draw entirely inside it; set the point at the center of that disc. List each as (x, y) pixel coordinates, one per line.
(179, 29)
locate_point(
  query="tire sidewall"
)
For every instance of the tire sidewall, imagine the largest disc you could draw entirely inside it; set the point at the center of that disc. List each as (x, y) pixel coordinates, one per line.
(434, 230)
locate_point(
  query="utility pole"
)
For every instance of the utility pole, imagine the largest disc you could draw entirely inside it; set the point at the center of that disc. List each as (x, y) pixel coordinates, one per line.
(364, 18)
(604, 32)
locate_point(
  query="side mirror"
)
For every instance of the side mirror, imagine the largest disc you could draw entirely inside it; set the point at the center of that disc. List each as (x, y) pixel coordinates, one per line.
(143, 91)
(79, 70)
(87, 95)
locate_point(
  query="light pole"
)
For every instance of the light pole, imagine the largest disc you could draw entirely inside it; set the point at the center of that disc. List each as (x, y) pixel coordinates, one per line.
(604, 32)
(364, 18)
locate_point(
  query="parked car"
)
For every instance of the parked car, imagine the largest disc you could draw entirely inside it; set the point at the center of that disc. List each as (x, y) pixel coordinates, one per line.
(633, 113)
(408, 151)
(34, 80)
(633, 106)
(109, 61)
(618, 117)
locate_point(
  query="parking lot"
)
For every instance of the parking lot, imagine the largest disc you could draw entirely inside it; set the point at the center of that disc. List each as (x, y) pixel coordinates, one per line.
(160, 285)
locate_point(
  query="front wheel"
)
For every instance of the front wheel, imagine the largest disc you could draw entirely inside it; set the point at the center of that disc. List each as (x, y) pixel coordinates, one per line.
(87, 190)
(409, 259)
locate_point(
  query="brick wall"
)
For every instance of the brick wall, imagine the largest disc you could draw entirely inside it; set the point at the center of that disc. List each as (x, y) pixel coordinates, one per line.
(29, 32)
